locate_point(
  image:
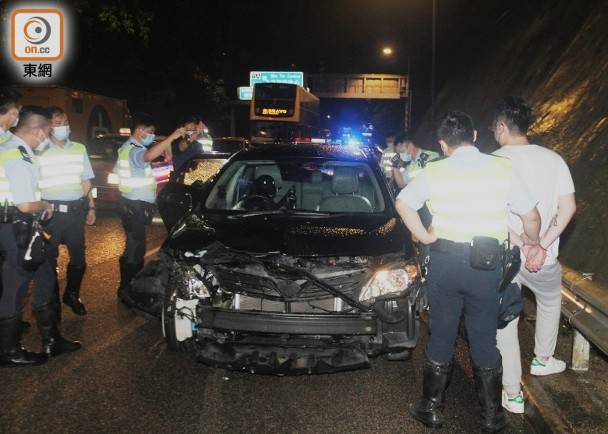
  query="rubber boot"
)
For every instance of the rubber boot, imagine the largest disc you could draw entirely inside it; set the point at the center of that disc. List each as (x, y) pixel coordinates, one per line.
(53, 344)
(71, 297)
(12, 354)
(122, 262)
(435, 381)
(488, 382)
(127, 273)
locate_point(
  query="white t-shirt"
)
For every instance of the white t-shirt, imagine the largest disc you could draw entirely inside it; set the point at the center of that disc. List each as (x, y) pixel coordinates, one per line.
(547, 177)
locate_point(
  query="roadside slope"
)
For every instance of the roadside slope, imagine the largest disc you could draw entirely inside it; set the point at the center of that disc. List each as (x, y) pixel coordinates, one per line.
(554, 54)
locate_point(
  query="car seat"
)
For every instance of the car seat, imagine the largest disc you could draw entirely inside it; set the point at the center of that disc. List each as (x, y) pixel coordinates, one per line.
(345, 186)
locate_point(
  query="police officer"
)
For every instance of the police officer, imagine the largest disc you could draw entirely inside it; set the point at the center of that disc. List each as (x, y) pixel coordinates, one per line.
(469, 195)
(138, 191)
(19, 182)
(9, 115)
(9, 112)
(65, 174)
(185, 147)
(409, 160)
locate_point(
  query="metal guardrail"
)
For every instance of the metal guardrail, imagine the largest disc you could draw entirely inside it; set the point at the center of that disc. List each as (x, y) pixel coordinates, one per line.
(585, 305)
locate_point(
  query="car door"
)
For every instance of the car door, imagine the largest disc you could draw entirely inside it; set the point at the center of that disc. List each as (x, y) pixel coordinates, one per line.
(186, 187)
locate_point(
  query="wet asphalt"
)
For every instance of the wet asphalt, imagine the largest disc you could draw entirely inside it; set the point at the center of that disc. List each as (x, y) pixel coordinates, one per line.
(125, 379)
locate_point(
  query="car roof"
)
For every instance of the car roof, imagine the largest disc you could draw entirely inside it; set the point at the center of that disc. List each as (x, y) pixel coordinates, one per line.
(286, 151)
(240, 139)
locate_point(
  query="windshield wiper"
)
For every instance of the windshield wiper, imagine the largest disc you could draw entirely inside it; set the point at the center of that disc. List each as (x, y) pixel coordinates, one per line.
(285, 212)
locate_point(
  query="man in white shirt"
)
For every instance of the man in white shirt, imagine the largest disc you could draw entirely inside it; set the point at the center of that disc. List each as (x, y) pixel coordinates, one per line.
(549, 181)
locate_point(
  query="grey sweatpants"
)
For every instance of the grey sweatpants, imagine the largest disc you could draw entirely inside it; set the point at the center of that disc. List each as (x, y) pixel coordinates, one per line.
(546, 286)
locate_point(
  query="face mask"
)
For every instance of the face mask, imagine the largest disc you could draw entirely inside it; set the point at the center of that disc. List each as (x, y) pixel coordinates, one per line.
(147, 141)
(61, 133)
(15, 122)
(405, 157)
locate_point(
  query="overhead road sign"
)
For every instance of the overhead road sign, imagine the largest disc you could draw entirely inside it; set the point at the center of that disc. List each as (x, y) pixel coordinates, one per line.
(364, 86)
(286, 77)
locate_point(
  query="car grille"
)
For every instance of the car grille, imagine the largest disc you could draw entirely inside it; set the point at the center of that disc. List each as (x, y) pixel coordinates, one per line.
(347, 281)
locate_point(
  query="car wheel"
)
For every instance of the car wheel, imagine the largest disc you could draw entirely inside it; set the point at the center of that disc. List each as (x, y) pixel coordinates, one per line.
(178, 317)
(399, 356)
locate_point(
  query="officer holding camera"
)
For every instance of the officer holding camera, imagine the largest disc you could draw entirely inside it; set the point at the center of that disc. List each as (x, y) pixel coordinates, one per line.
(469, 196)
(137, 187)
(23, 245)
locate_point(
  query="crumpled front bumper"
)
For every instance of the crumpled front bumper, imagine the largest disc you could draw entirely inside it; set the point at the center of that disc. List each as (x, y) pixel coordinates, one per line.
(282, 360)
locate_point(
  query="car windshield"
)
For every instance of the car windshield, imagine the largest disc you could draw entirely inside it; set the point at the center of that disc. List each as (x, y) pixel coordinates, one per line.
(324, 186)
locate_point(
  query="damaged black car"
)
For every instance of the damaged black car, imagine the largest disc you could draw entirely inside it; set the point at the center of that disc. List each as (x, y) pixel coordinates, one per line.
(290, 260)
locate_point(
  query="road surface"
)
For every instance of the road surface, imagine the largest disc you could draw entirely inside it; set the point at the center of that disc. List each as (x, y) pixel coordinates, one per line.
(125, 379)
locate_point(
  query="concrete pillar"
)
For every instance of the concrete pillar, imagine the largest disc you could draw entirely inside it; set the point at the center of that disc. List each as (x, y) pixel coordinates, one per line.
(580, 353)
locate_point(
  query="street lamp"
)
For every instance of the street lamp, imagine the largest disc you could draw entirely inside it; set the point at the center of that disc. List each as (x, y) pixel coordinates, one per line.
(387, 52)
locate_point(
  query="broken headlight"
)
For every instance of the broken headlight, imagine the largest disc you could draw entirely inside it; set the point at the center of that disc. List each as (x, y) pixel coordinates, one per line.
(193, 283)
(389, 283)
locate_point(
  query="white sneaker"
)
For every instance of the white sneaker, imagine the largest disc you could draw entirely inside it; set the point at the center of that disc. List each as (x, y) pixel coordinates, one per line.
(513, 405)
(551, 366)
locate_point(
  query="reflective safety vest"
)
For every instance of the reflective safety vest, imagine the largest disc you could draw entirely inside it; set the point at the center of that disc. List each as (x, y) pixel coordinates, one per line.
(4, 136)
(61, 169)
(466, 204)
(129, 179)
(414, 168)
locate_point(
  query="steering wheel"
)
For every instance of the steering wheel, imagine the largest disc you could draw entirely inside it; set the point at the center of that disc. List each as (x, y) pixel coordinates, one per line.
(255, 203)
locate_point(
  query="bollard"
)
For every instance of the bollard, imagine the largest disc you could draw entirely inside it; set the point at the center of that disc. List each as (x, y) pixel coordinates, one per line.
(580, 353)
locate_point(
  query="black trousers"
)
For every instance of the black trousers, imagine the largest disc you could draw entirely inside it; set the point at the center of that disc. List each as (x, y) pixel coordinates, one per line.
(454, 287)
(135, 216)
(15, 279)
(68, 228)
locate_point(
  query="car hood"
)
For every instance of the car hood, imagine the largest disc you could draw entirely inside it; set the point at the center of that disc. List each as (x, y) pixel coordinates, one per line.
(293, 234)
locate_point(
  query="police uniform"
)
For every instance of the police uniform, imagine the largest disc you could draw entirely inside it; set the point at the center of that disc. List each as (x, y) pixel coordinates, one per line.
(137, 187)
(62, 171)
(469, 195)
(4, 136)
(417, 164)
(409, 172)
(19, 184)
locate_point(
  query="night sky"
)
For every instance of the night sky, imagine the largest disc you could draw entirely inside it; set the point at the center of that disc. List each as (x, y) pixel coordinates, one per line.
(172, 58)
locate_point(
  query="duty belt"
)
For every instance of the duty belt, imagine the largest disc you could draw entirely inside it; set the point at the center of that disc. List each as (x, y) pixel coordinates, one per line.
(67, 206)
(9, 214)
(448, 246)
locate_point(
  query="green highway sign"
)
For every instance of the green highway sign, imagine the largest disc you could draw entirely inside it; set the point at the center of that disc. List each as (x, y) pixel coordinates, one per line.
(287, 77)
